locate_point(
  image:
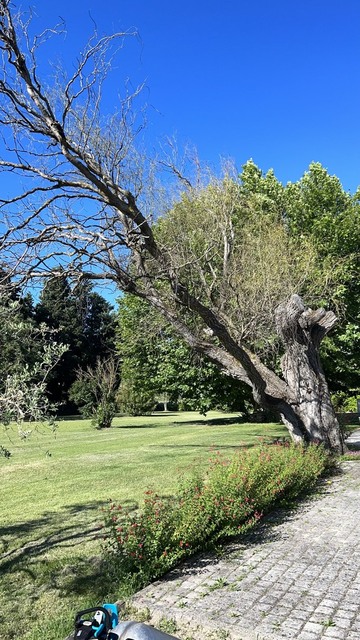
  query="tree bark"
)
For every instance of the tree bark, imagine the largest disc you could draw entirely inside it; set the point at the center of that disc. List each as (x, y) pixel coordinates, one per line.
(312, 417)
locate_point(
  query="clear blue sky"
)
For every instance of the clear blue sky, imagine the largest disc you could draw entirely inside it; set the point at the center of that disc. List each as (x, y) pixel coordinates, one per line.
(278, 81)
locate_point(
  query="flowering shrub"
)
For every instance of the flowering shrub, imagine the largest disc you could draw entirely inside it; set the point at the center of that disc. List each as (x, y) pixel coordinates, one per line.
(226, 500)
(351, 455)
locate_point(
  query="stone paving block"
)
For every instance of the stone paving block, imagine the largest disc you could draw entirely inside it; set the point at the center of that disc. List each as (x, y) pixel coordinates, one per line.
(334, 633)
(356, 626)
(313, 627)
(347, 613)
(294, 626)
(306, 635)
(331, 604)
(299, 614)
(323, 612)
(342, 623)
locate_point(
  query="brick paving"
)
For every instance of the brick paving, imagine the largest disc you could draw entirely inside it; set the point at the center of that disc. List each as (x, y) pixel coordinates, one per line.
(296, 577)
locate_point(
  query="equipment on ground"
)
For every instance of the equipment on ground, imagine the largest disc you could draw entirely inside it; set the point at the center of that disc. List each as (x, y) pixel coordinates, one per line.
(137, 631)
(95, 622)
(102, 623)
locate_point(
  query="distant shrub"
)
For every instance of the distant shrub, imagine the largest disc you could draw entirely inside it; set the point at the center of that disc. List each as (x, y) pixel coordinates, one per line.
(94, 392)
(346, 402)
(135, 401)
(226, 500)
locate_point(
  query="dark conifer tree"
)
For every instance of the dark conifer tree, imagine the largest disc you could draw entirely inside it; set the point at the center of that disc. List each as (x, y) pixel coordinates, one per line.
(84, 322)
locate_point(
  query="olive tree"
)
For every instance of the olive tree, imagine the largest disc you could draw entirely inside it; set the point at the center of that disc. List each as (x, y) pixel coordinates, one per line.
(24, 404)
(220, 274)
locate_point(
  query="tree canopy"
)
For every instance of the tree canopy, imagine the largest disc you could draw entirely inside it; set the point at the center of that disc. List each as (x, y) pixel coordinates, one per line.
(84, 321)
(158, 366)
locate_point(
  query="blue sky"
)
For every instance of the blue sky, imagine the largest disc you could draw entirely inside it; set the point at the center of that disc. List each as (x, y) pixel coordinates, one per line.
(276, 81)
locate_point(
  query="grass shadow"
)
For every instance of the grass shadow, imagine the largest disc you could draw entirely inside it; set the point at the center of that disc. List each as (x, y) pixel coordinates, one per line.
(138, 426)
(68, 528)
(214, 421)
(211, 448)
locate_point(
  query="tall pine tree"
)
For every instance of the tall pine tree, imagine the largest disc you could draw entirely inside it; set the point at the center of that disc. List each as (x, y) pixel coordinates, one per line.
(85, 323)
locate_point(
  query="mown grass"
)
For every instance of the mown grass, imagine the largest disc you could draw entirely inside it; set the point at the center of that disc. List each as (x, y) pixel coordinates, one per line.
(51, 506)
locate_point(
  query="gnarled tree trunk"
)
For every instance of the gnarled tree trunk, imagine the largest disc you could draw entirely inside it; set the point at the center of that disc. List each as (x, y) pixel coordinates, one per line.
(310, 412)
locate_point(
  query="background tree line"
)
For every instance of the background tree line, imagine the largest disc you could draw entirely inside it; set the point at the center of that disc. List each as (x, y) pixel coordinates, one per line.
(131, 359)
(76, 317)
(316, 209)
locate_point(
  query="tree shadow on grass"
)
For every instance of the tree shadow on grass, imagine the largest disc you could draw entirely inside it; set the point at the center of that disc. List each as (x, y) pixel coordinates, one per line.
(68, 528)
(211, 448)
(213, 421)
(48, 554)
(237, 420)
(148, 425)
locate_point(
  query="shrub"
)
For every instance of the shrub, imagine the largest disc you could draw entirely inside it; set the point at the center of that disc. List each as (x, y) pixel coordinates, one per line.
(353, 456)
(346, 402)
(133, 400)
(226, 500)
(94, 392)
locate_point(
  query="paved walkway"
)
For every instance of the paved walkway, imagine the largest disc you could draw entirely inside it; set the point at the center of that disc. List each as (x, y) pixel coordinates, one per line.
(297, 577)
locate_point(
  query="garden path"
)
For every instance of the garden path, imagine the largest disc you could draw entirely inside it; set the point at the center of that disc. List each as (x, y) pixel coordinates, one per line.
(296, 577)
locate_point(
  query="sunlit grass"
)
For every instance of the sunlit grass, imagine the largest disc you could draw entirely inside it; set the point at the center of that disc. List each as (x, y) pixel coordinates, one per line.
(51, 505)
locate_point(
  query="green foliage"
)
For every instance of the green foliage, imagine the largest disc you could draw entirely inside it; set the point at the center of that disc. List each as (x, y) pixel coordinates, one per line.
(318, 210)
(134, 398)
(263, 189)
(94, 392)
(104, 415)
(352, 456)
(346, 401)
(242, 245)
(155, 361)
(340, 357)
(318, 207)
(84, 321)
(227, 500)
(82, 393)
(20, 343)
(228, 243)
(23, 386)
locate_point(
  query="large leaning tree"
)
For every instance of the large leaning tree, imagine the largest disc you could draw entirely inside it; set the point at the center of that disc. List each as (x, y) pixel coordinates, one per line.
(218, 265)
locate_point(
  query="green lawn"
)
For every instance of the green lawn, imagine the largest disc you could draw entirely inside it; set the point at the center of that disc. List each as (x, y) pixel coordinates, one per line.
(51, 505)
